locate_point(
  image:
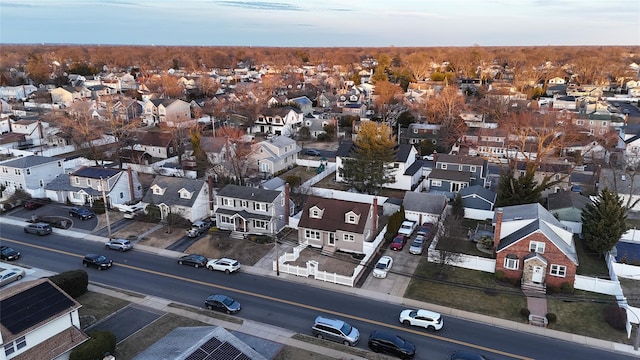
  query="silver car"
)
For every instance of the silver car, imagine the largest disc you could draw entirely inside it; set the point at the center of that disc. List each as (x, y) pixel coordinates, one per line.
(10, 275)
(119, 244)
(417, 245)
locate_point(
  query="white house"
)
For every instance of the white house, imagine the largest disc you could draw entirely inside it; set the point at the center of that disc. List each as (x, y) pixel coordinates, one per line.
(275, 154)
(30, 174)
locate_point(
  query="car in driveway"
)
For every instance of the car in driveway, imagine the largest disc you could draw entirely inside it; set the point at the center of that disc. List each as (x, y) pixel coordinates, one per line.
(224, 264)
(417, 245)
(311, 152)
(425, 230)
(398, 242)
(9, 253)
(35, 203)
(382, 267)
(422, 318)
(384, 342)
(119, 244)
(222, 303)
(100, 262)
(194, 260)
(10, 275)
(39, 228)
(81, 213)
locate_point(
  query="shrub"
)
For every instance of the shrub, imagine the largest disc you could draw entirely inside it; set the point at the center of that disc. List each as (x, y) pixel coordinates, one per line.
(567, 288)
(551, 318)
(514, 281)
(98, 206)
(616, 317)
(525, 312)
(553, 290)
(500, 275)
(101, 342)
(261, 239)
(72, 282)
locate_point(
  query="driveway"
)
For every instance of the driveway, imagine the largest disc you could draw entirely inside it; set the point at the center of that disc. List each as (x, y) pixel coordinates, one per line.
(56, 210)
(397, 280)
(127, 321)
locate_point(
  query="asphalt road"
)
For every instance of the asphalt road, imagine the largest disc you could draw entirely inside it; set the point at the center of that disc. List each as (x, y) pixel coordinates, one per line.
(286, 304)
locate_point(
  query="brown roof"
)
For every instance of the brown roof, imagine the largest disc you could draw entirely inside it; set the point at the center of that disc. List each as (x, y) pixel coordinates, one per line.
(56, 345)
(152, 138)
(333, 217)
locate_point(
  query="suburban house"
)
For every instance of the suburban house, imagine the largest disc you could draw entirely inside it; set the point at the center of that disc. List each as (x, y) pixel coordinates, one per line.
(169, 111)
(424, 207)
(30, 173)
(567, 207)
(278, 121)
(39, 321)
(247, 210)
(67, 95)
(20, 92)
(275, 154)
(477, 167)
(333, 224)
(416, 133)
(157, 144)
(354, 109)
(531, 245)
(478, 202)
(188, 198)
(86, 184)
(448, 182)
(306, 105)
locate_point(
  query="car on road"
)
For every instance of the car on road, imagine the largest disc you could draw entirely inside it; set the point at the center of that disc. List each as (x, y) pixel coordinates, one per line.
(335, 330)
(81, 213)
(10, 275)
(39, 228)
(224, 264)
(119, 244)
(35, 203)
(398, 242)
(8, 253)
(422, 318)
(384, 342)
(222, 303)
(100, 262)
(194, 260)
(417, 245)
(382, 267)
(466, 355)
(311, 152)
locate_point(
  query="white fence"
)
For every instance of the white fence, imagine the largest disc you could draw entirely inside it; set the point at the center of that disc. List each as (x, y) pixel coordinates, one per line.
(158, 168)
(330, 169)
(345, 195)
(463, 261)
(602, 286)
(478, 214)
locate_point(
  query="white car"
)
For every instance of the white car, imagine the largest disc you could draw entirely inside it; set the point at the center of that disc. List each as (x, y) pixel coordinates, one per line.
(423, 318)
(225, 264)
(382, 267)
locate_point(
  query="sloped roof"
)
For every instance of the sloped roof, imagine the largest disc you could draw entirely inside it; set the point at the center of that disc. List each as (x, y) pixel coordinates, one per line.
(450, 175)
(424, 202)
(480, 192)
(96, 172)
(29, 161)
(248, 193)
(152, 138)
(333, 217)
(567, 199)
(171, 195)
(346, 148)
(460, 159)
(539, 225)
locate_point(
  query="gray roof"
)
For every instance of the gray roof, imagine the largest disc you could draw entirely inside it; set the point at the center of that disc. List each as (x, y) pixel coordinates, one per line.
(180, 343)
(450, 175)
(527, 211)
(424, 202)
(171, 196)
(29, 161)
(96, 172)
(63, 183)
(243, 214)
(567, 199)
(479, 191)
(460, 159)
(249, 193)
(415, 167)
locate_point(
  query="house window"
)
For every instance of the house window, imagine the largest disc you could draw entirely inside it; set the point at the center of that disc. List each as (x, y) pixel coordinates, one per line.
(260, 224)
(472, 169)
(41, 183)
(157, 191)
(28, 171)
(171, 150)
(511, 262)
(227, 202)
(348, 237)
(59, 163)
(260, 206)
(536, 246)
(78, 181)
(604, 123)
(312, 234)
(121, 195)
(443, 166)
(225, 219)
(75, 195)
(315, 213)
(21, 342)
(580, 122)
(396, 165)
(558, 270)
(436, 183)
(89, 182)
(9, 349)
(351, 219)
(4, 170)
(244, 203)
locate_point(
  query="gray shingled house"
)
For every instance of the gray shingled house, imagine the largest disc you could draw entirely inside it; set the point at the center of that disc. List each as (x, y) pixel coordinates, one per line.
(188, 198)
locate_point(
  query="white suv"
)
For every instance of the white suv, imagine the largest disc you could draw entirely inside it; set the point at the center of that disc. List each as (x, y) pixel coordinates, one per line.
(225, 264)
(423, 318)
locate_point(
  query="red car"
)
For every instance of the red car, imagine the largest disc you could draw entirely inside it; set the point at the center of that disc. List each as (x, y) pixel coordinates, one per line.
(36, 203)
(398, 242)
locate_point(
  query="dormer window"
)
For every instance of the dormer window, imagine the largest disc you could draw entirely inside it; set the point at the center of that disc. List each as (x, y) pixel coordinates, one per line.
(315, 212)
(157, 190)
(185, 194)
(351, 218)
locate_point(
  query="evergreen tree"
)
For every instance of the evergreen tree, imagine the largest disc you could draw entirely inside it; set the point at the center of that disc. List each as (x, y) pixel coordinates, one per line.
(457, 209)
(604, 221)
(524, 189)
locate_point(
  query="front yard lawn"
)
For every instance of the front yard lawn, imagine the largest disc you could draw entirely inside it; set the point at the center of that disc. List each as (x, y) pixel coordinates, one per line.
(590, 263)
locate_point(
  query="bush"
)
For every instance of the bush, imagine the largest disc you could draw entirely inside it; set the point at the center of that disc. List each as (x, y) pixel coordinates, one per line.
(72, 282)
(101, 342)
(616, 317)
(551, 318)
(98, 206)
(567, 288)
(553, 290)
(500, 275)
(525, 312)
(514, 281)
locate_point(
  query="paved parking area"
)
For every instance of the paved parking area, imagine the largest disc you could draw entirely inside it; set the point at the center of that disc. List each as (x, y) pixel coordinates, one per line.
(397, 280)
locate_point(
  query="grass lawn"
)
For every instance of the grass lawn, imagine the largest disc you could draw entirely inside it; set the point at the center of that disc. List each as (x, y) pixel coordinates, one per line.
(96, 306)
(591, 264)
(303, 172)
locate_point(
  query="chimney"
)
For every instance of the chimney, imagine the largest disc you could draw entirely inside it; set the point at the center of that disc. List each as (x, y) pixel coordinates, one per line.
(286, 204)
(496, 229)
(131, 189)
(375, 216)
(210, 183)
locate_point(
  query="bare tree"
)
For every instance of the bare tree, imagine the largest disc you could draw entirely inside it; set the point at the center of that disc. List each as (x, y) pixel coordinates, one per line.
(238, 153)
(447, 235)
(82, 129)
(445, 109)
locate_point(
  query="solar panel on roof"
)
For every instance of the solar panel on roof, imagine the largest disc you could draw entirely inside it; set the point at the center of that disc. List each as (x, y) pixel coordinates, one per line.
(215, 349)
(211, 345)
(32, 306)
(198, 354)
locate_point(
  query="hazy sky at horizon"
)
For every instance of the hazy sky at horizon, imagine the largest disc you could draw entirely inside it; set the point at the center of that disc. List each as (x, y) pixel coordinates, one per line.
(330, 23)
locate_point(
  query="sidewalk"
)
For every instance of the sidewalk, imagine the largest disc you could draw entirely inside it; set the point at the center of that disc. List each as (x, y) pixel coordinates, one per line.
(264, 267)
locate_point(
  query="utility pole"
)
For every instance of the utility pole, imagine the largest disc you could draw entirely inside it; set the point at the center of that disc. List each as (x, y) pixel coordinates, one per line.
(106, 208)
(277, 259)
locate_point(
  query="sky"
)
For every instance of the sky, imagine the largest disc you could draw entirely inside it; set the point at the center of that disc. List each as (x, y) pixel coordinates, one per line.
(326, 23)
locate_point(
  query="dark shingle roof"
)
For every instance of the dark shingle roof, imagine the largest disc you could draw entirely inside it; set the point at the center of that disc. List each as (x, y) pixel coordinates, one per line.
(450, 175)
(567, 199)
(171, 195)
(425, 202)
(333, 217)
(460, 159)
(96, 172)
(29, 161)
(249, 193)
(539, 225)
(480, 191)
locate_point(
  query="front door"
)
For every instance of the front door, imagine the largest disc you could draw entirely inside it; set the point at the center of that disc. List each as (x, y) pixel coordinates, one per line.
(536, 277)
(332, 239)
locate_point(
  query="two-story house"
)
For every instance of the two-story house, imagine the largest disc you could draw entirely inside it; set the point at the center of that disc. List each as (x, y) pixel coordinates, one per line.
(30, 174)
(278, 121)
(39, 321)
(274, 155)
(247, 210)
(67, 95)
(455, 172)
(333, 224)
(160, 145)
(416, 133)
(169, 111)
(188, 198)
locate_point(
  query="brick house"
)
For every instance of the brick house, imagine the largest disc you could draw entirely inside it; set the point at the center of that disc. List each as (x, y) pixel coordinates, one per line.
(533, 246)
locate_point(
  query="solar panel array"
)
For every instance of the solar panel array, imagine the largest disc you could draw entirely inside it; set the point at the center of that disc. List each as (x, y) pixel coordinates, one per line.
(215, 349)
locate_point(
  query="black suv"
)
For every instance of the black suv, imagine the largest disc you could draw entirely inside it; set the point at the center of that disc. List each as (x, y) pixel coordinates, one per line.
(7, 253)
(391, 344)
(99, 261)
(81, 213)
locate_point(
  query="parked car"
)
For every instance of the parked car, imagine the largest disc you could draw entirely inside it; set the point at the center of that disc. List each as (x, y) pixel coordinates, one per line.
(423, 318)
(382, 267)
(194, 260)
(407, 228)
(8, 253)
(225, 264)
(119, 244)
(39, 228)
(198, 228)
(335, 330)
(36, 203)
(417, 245)
(131, 214)
(425, 230)
(222, 303)
(392, 344)
(99, 261)
(398, 242)
(81, 213)
(466, 355)
(311, 152)
(10, 275)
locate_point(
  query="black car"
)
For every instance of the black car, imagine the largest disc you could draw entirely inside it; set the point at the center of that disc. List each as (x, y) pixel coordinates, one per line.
(222, 303)
(380, 341)
(194, 260)
(99, 261)
(465, 355)
(311, 152)
(7, 253)
(81, 213)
